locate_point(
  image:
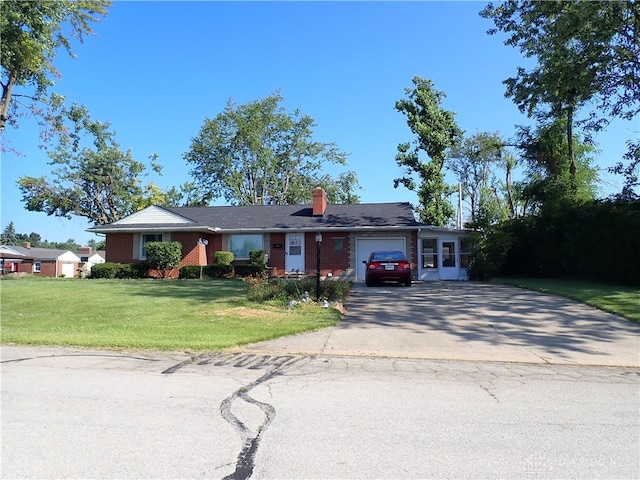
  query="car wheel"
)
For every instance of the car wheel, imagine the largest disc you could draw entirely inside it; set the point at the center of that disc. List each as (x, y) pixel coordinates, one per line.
(407, 283)
(369, 283)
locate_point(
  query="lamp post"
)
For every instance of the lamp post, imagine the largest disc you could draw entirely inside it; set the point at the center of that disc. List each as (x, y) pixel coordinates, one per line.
(318, 242)
(205, 242)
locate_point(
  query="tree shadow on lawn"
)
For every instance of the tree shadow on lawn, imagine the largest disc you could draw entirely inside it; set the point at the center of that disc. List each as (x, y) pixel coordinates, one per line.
(497, 315)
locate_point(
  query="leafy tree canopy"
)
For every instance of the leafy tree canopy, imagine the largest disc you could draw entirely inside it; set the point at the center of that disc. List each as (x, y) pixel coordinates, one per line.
(474, 161)
(92, 177)
(31, 34)
(544, 151)
(588, 54)
(436, 131)
(260, 154)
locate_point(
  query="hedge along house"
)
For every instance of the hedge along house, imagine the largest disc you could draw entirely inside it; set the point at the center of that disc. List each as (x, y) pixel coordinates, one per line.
(287, 234)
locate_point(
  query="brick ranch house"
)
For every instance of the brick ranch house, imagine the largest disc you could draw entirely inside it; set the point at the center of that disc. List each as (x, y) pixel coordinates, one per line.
(45, 262)
(287, 234)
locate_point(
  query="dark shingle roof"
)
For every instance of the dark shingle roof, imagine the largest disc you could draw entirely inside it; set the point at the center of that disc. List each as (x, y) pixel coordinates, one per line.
(361, 216)
(300, 217)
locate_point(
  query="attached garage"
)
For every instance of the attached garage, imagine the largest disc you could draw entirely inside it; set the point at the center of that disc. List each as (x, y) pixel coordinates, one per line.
(67, 269)
(364, 246)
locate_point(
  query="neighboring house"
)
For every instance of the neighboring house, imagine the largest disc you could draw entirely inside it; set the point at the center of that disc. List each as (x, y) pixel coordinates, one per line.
(12, 259)
(88, 258)
(292, 237)
(44, 262)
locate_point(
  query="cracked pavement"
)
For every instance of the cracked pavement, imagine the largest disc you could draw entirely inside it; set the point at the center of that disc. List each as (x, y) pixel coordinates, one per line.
(85, 414)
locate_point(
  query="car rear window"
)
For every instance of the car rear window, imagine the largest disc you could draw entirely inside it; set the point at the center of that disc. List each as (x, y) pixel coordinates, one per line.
(387, 256)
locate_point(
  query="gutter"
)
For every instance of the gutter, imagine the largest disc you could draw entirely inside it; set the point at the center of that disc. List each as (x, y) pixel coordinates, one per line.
(152, 229)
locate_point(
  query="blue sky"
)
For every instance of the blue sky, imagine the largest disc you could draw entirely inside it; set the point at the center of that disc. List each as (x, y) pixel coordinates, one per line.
(156, 70)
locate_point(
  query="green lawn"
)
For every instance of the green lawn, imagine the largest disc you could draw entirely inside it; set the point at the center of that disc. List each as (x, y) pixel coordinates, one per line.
(146, 314)
(623, 301)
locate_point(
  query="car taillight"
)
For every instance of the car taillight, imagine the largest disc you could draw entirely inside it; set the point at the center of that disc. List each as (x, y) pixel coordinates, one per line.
(406, 266)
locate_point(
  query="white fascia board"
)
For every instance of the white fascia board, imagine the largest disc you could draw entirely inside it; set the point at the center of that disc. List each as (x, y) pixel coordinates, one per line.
(69, 257)
(11, 251)
(151, 228)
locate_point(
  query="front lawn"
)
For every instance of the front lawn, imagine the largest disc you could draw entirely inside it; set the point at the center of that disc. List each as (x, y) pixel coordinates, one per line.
(623, 301)
(146, 314)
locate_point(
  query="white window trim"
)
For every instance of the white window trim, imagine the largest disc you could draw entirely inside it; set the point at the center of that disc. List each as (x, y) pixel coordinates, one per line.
(245, 235)
(37, 267)
(165, 237)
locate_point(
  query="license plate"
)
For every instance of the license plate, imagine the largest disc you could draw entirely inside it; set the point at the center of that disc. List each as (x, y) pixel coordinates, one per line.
(389, 266)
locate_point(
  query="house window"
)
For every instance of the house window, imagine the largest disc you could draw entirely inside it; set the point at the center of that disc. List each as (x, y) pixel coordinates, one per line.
(448, 254)
(430, 253)
(36, 267)
(154, 237)
(465, 251)
(241, 245)
(338, 246)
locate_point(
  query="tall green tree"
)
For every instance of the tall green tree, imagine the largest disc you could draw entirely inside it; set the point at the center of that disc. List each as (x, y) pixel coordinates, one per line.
(8, 236)
(474, 160)
(31, 34)
(92, 177)
(587, 53)
(544, 151)
(260, 154)
(436, 131)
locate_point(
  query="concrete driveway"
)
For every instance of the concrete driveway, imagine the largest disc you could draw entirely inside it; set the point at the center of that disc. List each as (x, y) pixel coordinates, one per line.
(470, 321)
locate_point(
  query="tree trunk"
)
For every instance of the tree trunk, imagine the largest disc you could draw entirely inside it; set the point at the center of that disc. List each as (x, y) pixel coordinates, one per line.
(572, 156)
(6, 100)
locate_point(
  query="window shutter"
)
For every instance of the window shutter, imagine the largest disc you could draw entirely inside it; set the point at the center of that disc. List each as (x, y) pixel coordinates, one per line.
(136, 246)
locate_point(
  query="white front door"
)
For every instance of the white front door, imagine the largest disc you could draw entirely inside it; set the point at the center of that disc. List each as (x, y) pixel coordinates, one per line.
(449, 267)
(294, 255)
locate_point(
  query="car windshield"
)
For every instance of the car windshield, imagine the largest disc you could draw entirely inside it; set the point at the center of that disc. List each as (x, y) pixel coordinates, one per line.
(387, 256)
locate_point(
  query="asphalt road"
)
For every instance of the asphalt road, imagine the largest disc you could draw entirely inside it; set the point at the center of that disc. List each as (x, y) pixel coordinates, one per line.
(82, 414)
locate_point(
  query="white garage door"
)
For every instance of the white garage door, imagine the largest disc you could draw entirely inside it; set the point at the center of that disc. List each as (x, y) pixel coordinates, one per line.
(364, 246)
(67, 270)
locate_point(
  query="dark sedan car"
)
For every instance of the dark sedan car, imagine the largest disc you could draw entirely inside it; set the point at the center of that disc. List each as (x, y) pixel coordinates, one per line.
(387, 266)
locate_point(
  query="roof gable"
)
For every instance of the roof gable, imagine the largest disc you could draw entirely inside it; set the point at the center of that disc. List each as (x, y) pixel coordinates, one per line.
(8, 250)
(153, 215)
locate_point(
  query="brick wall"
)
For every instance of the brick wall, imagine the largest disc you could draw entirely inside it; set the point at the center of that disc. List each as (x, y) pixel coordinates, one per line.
(119, 248)
(332, 260)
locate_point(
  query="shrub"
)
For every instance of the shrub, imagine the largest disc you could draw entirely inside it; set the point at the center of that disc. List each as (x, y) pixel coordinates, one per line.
(189, 272)
(218, 271)
(119, 270)
(104, 270)
(260, 288)
(222, 257)
(164, 256)
(256, 257)
(208, 271)
(248, 270)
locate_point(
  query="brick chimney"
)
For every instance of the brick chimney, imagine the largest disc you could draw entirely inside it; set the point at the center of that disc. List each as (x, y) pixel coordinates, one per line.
(319, 201)
(85, 250)
(26, 244)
